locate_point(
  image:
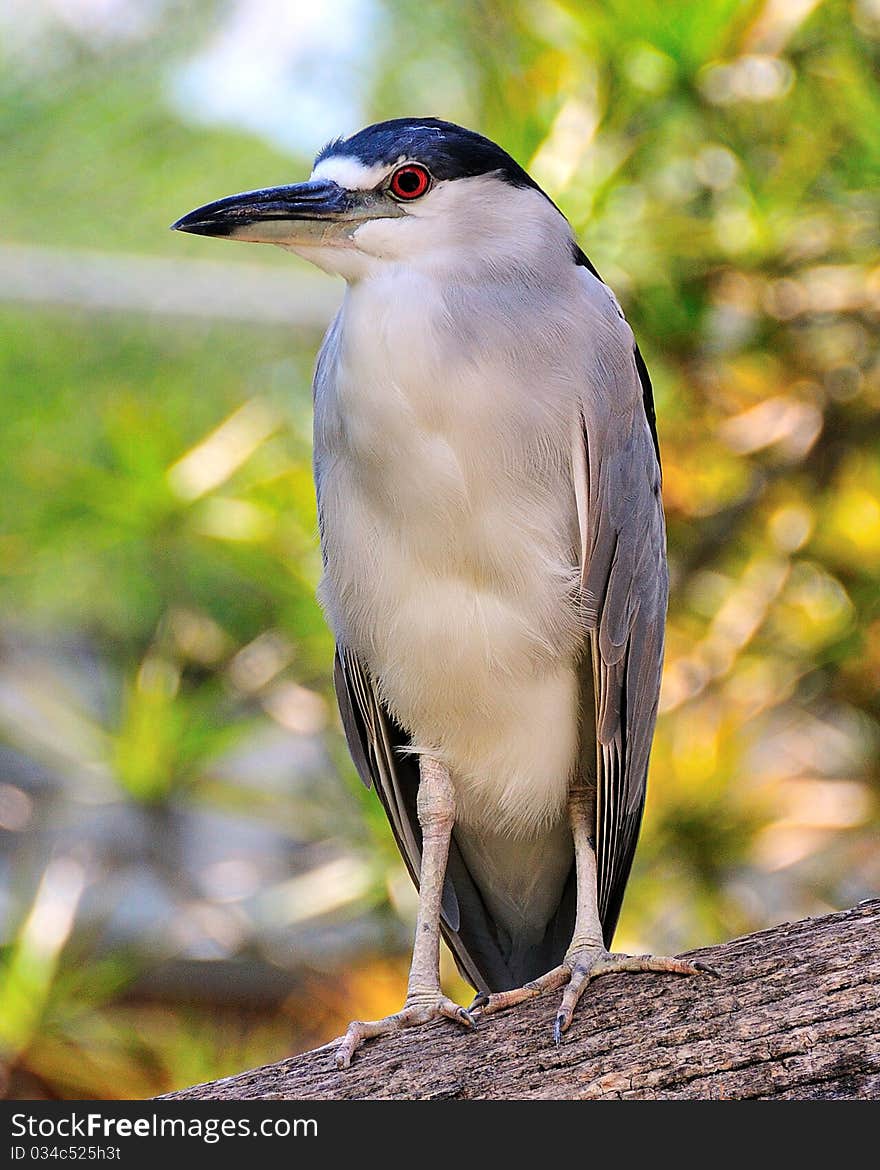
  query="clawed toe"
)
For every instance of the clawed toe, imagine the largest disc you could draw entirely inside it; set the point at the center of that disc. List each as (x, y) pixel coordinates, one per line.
(413, 1012)
(578, 969)
(551, 981)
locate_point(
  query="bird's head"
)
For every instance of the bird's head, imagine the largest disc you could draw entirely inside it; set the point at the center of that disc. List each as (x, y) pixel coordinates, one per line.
(412, 191)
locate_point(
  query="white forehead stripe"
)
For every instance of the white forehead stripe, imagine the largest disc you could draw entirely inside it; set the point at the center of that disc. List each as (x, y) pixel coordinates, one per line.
(350, 172)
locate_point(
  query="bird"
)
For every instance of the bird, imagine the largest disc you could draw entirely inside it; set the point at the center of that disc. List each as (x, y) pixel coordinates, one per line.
(490, 517)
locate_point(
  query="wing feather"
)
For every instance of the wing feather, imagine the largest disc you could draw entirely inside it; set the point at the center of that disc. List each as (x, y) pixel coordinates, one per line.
(624, 590)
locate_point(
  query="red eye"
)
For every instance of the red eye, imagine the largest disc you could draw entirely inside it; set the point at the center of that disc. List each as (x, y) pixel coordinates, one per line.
(409, 182)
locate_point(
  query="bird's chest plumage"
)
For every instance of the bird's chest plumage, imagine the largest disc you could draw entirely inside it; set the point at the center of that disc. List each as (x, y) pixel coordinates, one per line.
(448, 523)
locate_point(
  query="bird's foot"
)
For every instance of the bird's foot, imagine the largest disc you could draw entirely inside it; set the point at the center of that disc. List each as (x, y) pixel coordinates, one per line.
(580, 965)
(418, 1009)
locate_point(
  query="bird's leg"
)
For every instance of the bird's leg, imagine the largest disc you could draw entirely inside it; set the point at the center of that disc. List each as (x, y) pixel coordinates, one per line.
(586, 957)
(424, 999)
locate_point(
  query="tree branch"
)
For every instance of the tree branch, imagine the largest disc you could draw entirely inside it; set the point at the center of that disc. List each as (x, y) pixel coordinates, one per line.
(795, 1014)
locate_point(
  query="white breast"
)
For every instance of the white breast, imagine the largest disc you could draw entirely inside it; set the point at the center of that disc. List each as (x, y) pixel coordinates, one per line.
(450, 537)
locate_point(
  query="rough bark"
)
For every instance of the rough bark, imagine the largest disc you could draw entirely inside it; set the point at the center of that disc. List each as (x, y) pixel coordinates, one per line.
(793, 1015)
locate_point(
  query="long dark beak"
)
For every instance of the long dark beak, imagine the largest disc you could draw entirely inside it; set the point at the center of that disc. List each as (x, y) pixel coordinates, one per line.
(300, 214)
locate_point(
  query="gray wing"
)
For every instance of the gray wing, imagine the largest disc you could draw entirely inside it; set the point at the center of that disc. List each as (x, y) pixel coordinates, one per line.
(624, 585)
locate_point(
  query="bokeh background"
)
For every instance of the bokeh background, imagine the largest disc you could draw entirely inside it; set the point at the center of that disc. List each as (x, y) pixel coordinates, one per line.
(192, 880)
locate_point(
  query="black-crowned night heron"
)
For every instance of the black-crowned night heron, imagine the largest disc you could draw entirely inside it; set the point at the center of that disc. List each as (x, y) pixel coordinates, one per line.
(488, 486)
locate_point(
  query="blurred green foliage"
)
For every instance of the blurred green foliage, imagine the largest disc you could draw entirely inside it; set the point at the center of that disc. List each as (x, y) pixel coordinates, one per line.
(720, 164)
